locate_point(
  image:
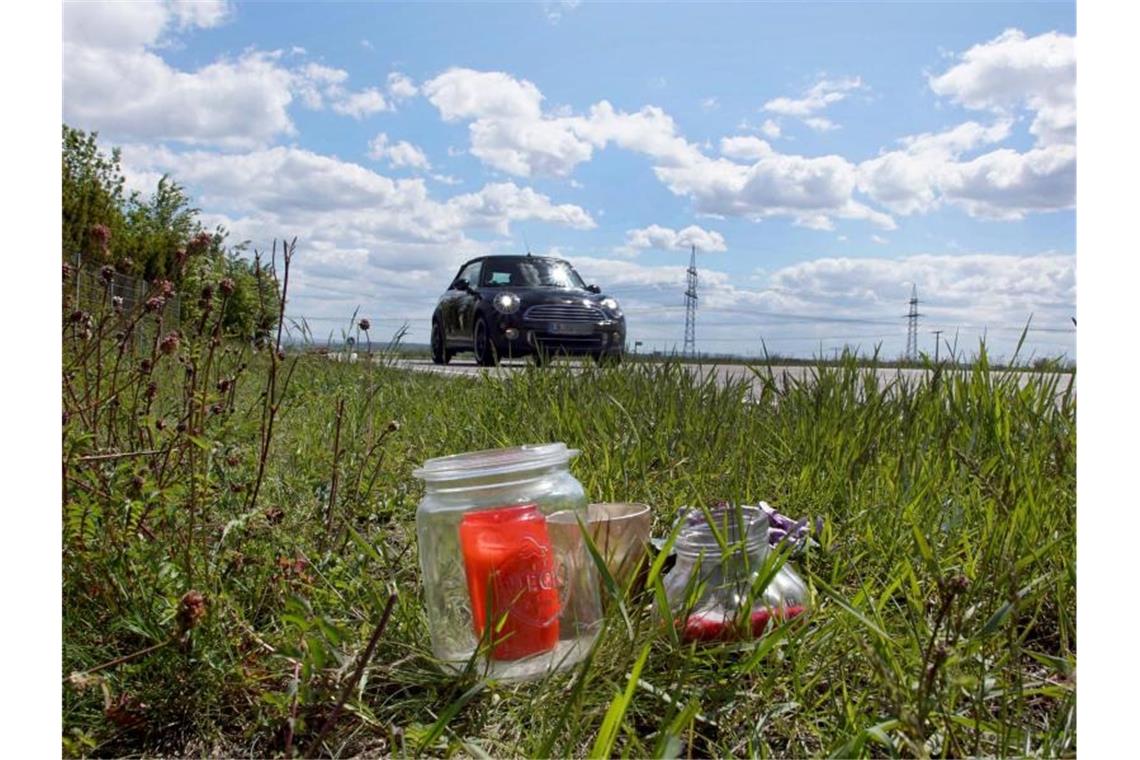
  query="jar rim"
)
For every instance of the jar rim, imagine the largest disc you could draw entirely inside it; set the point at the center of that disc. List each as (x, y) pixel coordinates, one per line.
(489, 462)
(698, 535)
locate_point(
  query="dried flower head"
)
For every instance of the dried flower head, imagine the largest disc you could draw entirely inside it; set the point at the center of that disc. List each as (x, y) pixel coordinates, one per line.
(78, 316)
(107, 273)
(145, 366)
(117, 304)
(201, 241)
(218, 408)
(207, 292)
(101, 236)
(224, 384)
(155, 304)
(227, 286)
(151, 390)
(191, 610)
(67, 271)
(365, 325)
(170, 343)
(160, 424)
(165, 288)
(393, 426)
(281, 355)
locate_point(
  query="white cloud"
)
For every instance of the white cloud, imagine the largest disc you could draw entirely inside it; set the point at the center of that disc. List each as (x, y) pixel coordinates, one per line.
(1002, 76)
(343, 204)
(467, 94)
(401, 154)
(401, 87)
(710, 104)
(1013, 71)
(200, 13)
(509, 131)
(360, 104)
(114, 82)
(879, 239)
(810, 190)
(746, 148)
(815, 99)
(666, 239)
(770, 129)
(820, 124)
(909, 180)
(1006, 184)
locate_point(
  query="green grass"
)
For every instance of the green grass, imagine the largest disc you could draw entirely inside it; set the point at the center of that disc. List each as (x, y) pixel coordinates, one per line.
(943, 590)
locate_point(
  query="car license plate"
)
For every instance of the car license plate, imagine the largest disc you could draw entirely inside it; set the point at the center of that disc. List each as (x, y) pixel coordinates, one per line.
(571, 328)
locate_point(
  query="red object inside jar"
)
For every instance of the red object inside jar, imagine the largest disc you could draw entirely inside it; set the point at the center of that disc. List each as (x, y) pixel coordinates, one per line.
(510, 567)
(712, 627)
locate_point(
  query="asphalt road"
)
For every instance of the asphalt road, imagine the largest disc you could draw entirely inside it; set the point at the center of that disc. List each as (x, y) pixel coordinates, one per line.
(724, 372)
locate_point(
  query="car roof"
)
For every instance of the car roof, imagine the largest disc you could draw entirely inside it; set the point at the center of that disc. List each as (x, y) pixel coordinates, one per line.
(499, 257)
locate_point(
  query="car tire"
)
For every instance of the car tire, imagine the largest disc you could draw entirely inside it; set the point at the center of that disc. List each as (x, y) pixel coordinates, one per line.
(482, 346)
(439, 352)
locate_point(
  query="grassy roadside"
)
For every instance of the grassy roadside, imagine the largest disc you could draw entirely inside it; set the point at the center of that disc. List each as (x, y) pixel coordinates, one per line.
(279, 489)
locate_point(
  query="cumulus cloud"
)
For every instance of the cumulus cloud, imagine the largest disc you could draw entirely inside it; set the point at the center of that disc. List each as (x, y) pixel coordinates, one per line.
(909, 179)
(510, 132)
(770, 129)
(113, 80)
(344, 203)
(1014, 71)
(815, 99)
(360, 104)
(747, 148)
(812, 191)
(1003, 76)
(400, 154)
(401, 87)
(666, 239)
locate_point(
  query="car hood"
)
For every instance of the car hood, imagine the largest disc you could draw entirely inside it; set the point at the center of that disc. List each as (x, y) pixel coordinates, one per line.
(531, 296)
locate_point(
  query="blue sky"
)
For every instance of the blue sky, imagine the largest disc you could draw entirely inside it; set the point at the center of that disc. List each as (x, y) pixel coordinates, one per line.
(824, 157)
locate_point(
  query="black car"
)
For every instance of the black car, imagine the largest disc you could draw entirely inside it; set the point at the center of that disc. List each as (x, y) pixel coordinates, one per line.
(501, 307)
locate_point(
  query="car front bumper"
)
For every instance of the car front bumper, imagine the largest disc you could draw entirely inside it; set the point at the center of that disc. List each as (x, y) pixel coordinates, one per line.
(519, 337)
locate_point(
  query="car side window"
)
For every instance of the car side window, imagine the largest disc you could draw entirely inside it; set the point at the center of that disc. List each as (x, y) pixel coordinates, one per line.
(469, 273)
(472, 272)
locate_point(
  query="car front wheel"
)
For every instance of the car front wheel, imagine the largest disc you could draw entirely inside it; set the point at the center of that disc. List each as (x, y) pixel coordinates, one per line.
(481, 344)
(439, 352)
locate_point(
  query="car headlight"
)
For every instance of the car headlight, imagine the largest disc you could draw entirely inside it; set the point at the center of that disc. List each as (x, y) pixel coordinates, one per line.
(611, 305)
(506, 303)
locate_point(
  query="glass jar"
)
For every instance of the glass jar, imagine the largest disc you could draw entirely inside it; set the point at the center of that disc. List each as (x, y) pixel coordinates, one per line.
(507, 578)
(711, 590)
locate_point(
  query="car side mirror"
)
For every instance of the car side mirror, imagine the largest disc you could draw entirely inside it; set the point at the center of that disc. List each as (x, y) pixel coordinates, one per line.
(593, 289)
(462, 285)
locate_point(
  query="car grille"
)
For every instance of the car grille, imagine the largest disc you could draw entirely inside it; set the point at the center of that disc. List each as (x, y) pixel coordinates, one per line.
(568, 312)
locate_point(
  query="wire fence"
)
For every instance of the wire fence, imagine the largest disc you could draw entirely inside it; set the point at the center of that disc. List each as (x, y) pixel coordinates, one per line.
(91, 291)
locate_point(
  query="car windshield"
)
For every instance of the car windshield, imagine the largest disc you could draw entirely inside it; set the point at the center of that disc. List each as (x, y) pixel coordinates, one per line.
(530, 272)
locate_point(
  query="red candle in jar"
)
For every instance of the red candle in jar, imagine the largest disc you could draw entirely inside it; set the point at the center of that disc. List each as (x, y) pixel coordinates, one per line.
(717, 627)
(510, 566)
